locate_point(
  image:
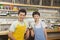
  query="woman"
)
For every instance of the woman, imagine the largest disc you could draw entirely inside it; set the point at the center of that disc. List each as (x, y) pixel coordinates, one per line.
(39, 27)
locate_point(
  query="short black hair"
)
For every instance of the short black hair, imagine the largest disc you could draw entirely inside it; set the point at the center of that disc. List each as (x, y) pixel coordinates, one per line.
(22, 10)
(35, 13)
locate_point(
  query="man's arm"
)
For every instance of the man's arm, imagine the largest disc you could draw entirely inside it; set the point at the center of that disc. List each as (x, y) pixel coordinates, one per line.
(11, 36)
(11, 30)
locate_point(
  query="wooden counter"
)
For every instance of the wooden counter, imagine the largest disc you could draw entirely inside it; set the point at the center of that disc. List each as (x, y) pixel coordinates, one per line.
(52, 34)
(48, 31)
(52, 30)
(4, 35)
(4, 32)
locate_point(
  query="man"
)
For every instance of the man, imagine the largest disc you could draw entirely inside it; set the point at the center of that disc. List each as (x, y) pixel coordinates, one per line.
(39, 27)
(17, 29)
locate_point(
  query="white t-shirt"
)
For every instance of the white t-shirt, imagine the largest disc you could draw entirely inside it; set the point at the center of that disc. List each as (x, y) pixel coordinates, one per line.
(39, 24)
(13, 26)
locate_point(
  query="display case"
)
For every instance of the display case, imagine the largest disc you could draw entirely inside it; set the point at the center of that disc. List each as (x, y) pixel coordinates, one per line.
(46, 2)
(35, 2)
(21, 1)
(56, 2)
(6, 0)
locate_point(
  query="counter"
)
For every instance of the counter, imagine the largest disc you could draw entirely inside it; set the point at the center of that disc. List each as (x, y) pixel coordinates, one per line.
(52, 34)
(3, 35)
(48, 31)
(4, 32)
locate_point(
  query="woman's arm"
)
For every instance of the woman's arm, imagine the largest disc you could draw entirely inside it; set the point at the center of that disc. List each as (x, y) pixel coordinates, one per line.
(32, 32)
(45, 34)
(44, 28)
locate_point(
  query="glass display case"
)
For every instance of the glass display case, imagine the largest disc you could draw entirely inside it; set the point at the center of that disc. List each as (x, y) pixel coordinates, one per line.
(56, 2)
(21, 1)
(6, 0)
(35, 2)
(46, 2)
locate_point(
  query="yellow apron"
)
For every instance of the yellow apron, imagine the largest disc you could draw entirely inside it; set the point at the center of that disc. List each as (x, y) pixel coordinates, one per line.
(18, 34)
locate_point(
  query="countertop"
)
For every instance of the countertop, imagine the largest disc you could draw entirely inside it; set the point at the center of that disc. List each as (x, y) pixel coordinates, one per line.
(4, 32)
(48, 30)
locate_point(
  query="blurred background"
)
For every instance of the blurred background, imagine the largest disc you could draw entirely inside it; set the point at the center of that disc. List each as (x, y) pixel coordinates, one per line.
(49, 10)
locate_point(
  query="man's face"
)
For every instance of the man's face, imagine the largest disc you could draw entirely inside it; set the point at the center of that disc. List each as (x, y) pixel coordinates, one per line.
(36, 17)
(21, 16)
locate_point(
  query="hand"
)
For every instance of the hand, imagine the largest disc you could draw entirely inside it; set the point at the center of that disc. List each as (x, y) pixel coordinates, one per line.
(27, 34)
(12, 39)
(32, 33)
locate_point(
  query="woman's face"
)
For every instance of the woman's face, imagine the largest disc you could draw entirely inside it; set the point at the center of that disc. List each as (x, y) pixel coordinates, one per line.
(21, 16)
(36, 17)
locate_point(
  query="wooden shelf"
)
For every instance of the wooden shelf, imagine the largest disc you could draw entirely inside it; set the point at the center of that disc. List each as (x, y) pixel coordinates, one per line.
(26, 5)
(5, 23)
(26, 17)
(8, 10)
(8, 17)
(52, 17)
(49, 17)
(13, 16)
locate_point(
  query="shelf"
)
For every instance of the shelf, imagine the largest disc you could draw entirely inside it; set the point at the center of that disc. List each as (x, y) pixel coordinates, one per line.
(50, 17)
(5, 24)
(8, 17)
(26, 5)
(26, 17)
(7, 10)
(13, 16)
